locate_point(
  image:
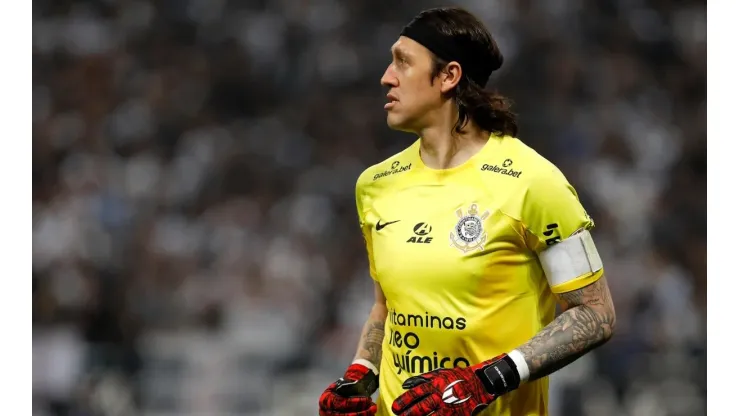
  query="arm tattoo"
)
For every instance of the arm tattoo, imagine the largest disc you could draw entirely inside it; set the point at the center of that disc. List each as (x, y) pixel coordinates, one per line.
(371, 341)
(587, 323)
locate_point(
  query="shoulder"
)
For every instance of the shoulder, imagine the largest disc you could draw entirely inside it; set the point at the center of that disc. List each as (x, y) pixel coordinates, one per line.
(546, 180)
(523, 162)
(387, 174)
(533, 179)
(517, 167)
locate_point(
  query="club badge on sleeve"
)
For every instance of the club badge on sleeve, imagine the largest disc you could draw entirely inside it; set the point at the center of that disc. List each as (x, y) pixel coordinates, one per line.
(468, 234)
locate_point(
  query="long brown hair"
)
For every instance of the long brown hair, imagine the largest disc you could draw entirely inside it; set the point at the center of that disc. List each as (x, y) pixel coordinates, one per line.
(489, 110)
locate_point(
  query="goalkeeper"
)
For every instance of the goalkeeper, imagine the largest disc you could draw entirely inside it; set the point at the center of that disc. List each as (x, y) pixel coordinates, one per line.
(472, 238)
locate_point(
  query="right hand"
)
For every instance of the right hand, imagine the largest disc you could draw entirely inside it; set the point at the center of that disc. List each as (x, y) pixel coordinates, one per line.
(351, 394)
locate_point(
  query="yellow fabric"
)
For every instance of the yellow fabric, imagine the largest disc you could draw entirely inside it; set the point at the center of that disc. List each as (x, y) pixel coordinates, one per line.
(577, 283)
(455, 252)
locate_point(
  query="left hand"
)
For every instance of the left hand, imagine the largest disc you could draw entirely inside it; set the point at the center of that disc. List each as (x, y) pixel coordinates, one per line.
(445, 392)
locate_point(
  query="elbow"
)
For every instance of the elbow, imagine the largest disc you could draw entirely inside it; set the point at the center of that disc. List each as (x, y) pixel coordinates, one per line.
(604, 321)
(610, 323)
(379, 311)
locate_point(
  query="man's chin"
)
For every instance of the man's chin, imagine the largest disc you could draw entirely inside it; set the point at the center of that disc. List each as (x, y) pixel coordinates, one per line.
(396, 123)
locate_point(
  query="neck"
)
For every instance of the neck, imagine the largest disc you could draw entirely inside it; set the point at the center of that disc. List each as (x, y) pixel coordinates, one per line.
(442, 148)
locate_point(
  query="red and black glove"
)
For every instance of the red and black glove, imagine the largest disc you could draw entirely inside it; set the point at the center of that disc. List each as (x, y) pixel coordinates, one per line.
(457, 391)
(350, 395)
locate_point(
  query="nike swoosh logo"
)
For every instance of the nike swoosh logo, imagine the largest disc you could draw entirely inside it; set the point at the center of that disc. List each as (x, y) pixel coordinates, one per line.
(380, 226)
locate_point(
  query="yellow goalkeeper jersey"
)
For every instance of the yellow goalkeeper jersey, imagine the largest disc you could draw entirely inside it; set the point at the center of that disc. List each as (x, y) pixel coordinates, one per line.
(455, 252)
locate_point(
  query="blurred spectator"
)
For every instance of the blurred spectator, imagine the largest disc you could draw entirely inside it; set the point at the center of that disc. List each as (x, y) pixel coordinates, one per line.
(195, 240)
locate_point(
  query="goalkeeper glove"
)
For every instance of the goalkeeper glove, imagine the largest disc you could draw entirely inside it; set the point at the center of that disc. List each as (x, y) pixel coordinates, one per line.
(457, 391)
(350, 395)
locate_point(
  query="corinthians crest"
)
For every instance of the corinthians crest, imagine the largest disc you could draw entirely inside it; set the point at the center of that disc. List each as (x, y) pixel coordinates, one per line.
(468, 234)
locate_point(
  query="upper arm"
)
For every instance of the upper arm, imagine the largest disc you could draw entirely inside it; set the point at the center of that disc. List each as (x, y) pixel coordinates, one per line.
(595, 295)
(366, 234)
(553, 217)
(552, 214)
(597, 298)
(379, 307)
(551, 211)
(379, 295)
(366, 228)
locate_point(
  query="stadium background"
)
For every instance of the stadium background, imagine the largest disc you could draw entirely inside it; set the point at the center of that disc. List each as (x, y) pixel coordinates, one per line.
(195, 246)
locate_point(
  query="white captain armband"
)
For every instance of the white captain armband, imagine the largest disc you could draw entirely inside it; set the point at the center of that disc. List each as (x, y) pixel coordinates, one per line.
(570, 259)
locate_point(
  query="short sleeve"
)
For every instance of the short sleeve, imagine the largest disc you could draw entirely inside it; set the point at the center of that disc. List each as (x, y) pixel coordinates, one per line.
(552, 212)
(365, 227)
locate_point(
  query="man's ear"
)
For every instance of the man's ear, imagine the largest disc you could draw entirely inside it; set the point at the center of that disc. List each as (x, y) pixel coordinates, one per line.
(450, 76)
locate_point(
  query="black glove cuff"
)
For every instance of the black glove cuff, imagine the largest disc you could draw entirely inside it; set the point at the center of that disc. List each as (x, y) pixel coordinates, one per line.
(499, 377)
(363, 387)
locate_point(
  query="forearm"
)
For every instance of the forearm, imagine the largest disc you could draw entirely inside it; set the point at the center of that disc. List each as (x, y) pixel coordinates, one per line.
(571, 335)
(578, 330)
(370, 347)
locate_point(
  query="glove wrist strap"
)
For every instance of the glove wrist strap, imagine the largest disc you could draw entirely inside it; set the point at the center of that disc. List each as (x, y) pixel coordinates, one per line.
(500, 376)
(350, 386)
(367, 364)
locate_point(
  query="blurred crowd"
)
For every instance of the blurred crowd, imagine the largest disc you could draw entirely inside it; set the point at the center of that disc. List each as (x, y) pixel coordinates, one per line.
(195, 241)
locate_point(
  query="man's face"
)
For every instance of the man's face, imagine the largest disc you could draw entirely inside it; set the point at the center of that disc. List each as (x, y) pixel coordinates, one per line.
(412, 95)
